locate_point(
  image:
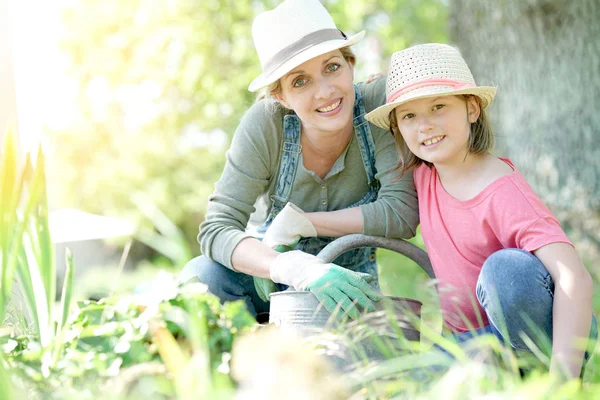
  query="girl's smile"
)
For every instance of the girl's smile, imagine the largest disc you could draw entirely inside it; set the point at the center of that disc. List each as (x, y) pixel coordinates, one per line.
(433, 141)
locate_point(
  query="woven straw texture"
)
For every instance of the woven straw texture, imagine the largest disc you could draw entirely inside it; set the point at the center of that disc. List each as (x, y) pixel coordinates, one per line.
(427, 70)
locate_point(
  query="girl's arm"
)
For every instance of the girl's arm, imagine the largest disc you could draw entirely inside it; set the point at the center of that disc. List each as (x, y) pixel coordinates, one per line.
(572, 312)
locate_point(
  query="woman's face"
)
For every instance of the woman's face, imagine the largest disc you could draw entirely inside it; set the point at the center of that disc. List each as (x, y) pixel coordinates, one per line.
(321, 92)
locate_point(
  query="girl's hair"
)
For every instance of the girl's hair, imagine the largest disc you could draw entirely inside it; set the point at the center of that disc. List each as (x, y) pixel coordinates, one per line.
(481, 139)
(275, 88)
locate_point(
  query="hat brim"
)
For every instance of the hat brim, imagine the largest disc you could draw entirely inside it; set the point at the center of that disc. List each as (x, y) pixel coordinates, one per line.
(314, 51)
(381, 115)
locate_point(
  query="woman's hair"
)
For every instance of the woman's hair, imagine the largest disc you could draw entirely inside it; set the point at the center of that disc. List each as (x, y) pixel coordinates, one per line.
(481, 139)
(275, 88)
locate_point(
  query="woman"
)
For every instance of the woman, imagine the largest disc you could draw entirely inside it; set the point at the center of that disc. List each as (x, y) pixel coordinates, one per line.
(307, 144)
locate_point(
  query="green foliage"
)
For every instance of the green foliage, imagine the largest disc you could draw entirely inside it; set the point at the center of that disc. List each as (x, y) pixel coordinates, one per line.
(400, 276)
(166, 329)
(26, 251)
(155, 77)
(395, 24)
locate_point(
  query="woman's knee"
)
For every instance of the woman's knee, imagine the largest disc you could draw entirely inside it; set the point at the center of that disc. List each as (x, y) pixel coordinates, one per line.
(203, 269)
(226, 284)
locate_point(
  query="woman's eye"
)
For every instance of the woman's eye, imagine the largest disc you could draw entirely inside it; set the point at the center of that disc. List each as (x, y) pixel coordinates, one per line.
(333, 67)
(408, 116)
(299, 82)
(438, 106)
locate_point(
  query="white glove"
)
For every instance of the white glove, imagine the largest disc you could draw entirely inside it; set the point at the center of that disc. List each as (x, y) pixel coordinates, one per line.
(335, 287)
(288, 227)
(297, 269)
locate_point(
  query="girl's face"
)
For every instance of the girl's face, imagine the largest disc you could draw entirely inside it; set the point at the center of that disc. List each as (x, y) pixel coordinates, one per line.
(437, 129)
(321, 93)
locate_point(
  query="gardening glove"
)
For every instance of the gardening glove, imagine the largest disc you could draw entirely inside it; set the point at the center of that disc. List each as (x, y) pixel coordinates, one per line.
(333, 285)
(288, 227)
(283, 235)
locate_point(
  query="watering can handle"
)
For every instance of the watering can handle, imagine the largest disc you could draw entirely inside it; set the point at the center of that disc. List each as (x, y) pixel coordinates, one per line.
(349, 242)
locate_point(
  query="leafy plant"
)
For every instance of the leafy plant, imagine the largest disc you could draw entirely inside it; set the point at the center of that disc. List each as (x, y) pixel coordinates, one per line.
(26, 250)
(179, 337)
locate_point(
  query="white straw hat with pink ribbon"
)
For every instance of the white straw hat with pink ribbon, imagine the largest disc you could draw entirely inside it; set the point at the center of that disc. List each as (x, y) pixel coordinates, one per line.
(423, 71)
(294, 32)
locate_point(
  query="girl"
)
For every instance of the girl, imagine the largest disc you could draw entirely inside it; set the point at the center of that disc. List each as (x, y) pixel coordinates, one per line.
(501, 257)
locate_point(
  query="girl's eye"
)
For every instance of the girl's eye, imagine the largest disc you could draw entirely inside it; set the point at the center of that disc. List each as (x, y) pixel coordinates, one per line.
(408, 116)
(299, 82)
(438, 106)
(333, 67)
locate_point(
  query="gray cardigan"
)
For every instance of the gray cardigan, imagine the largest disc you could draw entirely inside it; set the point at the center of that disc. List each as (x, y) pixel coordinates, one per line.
(250, 174)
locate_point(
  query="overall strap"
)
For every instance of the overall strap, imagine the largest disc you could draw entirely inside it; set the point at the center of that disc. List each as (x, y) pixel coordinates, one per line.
(288, 164)
(362, 130)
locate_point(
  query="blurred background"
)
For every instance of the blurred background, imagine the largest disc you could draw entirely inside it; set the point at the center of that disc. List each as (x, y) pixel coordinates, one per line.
(135, 103)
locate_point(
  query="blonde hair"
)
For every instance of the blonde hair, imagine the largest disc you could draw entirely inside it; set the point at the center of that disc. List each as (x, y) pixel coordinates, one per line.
(481, 139)
(275, 88)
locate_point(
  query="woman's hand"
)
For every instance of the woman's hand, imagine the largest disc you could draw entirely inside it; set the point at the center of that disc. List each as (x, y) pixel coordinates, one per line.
(288, 227)
(333, 285)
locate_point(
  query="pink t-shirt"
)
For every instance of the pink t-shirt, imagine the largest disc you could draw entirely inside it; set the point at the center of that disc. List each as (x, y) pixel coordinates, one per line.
(461, 235)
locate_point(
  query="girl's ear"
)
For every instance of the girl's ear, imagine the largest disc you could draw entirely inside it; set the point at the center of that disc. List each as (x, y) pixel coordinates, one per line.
(473, 109)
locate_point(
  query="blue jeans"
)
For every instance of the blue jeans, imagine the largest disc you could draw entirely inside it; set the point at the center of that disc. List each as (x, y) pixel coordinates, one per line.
(225, 283)
(516, 292)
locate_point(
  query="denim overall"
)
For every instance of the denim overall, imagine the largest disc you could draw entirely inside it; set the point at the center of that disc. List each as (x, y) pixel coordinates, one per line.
(362, 259)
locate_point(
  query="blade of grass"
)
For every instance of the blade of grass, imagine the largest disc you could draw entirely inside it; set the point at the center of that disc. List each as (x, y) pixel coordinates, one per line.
(174, 358)
(43, 324)
(66, 297)
(171, 240)
(14, 246)
(67, 290)
(8, 171)
(24, 279)
(6, 387)
(45, 257)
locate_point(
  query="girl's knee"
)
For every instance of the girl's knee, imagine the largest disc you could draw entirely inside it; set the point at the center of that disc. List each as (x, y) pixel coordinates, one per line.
(512, 277)
(509, 265)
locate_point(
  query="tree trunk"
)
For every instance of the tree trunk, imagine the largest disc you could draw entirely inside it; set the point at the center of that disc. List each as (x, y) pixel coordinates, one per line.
(544, 56)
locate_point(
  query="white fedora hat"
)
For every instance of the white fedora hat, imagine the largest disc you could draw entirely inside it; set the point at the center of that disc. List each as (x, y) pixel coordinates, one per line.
(427, 70)
(292, 33)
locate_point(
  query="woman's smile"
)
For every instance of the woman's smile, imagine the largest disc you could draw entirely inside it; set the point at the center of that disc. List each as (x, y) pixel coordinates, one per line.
(331, 108)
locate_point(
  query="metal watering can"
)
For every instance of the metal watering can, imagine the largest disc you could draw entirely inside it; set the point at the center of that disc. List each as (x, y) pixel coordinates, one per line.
(376, 335)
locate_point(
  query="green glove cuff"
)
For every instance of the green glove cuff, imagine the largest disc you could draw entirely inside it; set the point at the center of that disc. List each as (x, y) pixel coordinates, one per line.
(264, 287)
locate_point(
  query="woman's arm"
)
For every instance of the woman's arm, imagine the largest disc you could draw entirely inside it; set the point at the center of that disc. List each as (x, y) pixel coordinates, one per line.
(250, 160)
(572, 312)
(337, 223)
(253, 257)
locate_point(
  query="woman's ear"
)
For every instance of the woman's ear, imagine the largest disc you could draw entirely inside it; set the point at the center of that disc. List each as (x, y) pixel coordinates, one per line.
(473, 109)
(281, 99)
